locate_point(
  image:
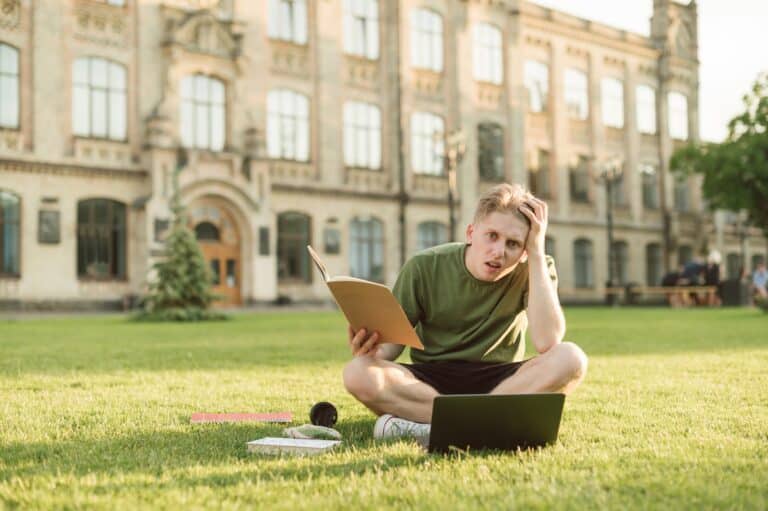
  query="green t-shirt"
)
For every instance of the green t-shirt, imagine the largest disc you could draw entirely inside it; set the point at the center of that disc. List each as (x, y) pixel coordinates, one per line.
(459, 317)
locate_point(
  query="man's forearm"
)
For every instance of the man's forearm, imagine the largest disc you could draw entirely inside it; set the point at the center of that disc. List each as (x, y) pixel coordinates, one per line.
(389, 351)
(546, 322)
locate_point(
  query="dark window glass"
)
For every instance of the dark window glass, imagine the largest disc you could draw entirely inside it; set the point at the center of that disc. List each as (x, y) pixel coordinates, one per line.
(733, 266)
(582, 250)
(206, 231)
(292, 240)
(367, 249)
(549, 246)
(621, 262)
(9, 233)
(490, 151)
(101, 243)
(684, 254)
(430, 234)
(539, 174)
(231, 273)
(653, 264)
(215, 272)
(579, 180)
(681, 195)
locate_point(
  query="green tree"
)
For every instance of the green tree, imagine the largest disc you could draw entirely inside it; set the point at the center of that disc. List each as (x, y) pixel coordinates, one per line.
(181, 289)
(735, 171)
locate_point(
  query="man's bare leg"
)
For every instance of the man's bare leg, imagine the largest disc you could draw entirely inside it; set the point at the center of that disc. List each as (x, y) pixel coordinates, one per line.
(560, 369)
(387, 387)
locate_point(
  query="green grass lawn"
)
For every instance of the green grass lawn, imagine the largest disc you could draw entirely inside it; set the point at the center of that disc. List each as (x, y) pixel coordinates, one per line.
(94, 413)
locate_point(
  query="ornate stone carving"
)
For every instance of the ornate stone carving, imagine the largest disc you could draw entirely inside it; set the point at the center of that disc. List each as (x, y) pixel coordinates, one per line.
(489, 95)
(362, 73)
(102, 24)
(291, 172)
(428, 83)
(202, 32)
(10, 13)
(290, 59)
(367, 180)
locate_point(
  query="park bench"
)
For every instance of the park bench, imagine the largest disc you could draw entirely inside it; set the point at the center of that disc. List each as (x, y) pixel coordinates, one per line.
(674, 295)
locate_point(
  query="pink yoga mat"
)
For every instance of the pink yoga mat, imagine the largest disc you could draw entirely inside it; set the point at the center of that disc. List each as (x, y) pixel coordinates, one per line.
(241, 417)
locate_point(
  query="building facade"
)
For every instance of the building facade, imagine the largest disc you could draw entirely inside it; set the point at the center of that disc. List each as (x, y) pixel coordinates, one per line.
(294, 122)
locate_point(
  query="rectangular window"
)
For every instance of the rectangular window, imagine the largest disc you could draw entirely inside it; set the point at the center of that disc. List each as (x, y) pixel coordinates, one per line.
(490, 151)
(539, 173)
(613, 102)
(678, 116)
(427, 144)
(646, 109)
(487, 54)
(99, 105)
(287, 125)
(426, 40)
(9, 86)
(650, 182)
(361, 28)
(362, 135)
(537, 83)
(579, 180)
(288, 20)
(10, 214)
(681, 195)
(576, 94)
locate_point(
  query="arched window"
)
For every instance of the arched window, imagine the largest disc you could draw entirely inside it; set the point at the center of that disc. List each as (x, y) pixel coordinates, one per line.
(101, 240)
(203, 112)
(487, 55)
(653, 264)
(621, 262)
(583, 272)
(293, 236)
(366, 249)
(287, 125)
(427, 145)
(9, 86)
(99, 107)
(362, 135)
(206, 231)
(426, 39)
(10, 217)
(490, 151)
(430, 234)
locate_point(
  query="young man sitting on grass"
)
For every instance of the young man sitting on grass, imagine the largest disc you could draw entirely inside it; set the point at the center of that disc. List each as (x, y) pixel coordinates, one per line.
(471, 304)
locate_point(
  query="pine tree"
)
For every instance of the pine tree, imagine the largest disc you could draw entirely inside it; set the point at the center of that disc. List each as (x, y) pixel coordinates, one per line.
(181, 289)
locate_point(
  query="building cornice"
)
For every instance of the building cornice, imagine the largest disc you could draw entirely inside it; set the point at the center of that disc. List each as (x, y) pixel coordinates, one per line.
(66, 169)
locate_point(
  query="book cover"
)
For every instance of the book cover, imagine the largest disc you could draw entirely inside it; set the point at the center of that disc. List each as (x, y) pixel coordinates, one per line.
(370, 305)
(300, 446)
(202, 417)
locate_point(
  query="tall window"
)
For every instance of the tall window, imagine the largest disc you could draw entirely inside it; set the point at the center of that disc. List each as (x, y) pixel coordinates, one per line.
(757, 259)
(537, 83)
(582, 255)
(646, 109)
(684, 254)
(681, 194)
(9, 233)
(367, 249)
(579, 179)
(732, 266)
(426, 40)
(361, 28)
(203, 121)
(576, 94)
(549, 246)
(621, 262)
(362, 135)
(293, 236)
(653, 264)
(9, 86)
(490, 151)
(287, 125)
(613, 102)
(101, 239)
(427, 144)
(288, 20)
(650, 181)
(618, 192)
(430, 234)
(487, 53)
(678, 115)
(539, 173)
(99, 99)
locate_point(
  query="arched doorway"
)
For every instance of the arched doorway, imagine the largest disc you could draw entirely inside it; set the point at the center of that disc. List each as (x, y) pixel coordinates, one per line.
(219, 238)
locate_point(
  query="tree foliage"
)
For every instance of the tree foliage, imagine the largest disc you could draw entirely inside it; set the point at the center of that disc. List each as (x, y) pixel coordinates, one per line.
(181, 289)
(735, 171)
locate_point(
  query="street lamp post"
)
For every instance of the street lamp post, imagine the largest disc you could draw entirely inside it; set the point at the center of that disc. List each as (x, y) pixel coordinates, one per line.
(455, 147)
(610, 172)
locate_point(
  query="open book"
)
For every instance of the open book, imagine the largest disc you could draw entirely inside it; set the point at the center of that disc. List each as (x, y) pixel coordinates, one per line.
(371, 306)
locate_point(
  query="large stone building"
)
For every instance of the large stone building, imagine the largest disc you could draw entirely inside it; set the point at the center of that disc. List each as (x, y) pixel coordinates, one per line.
(326, 121)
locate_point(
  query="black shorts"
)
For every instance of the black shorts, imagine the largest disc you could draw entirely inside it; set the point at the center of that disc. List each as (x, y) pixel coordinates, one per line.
(454, 377)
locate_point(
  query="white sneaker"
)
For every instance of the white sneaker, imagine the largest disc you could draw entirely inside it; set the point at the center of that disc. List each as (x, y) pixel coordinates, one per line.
(389, 426)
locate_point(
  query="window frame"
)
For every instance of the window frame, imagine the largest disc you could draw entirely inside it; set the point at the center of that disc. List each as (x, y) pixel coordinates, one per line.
(612, 99)
(487, 53)
(643, 106)
(581, 170)
(298, 25)
(361, 19)
(190, 127)
(423, 143)
(532, 68)
(111, 227)
(362, 135)
(3, 224)
(14, 78)
(369, 238)
(649, 169)
(496, 133)
(678, 116)
(588, 257)
(283, 124)
(653, 249)
(572, 90)
(429, 230)
(303, 240)
(427, 33)
(92, 92)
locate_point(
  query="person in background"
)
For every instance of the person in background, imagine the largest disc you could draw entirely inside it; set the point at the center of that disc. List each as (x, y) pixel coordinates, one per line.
(712, 278)
(760, 281)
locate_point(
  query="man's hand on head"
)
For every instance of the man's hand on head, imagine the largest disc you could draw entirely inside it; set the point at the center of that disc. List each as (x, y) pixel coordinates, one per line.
(538, 214)
(363, 343)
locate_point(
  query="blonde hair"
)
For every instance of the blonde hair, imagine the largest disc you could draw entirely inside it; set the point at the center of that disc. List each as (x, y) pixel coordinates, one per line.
(502, 198)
